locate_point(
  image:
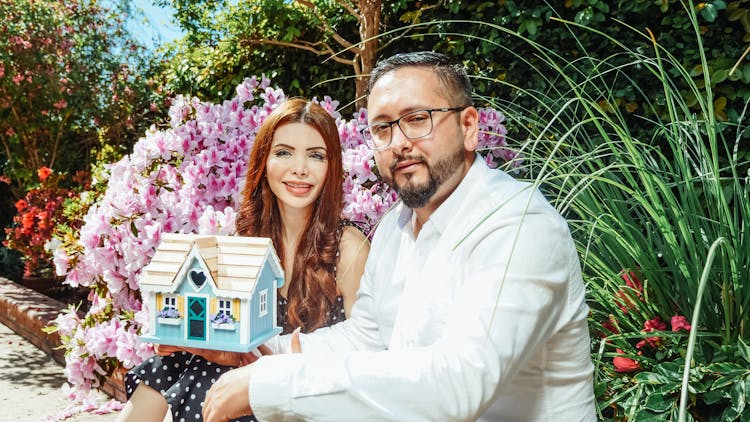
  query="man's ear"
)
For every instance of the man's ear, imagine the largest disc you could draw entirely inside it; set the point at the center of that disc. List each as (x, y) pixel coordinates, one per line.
(470, 128)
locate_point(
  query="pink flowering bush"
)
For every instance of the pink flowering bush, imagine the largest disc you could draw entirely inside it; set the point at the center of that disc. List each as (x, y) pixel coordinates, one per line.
(186, 178)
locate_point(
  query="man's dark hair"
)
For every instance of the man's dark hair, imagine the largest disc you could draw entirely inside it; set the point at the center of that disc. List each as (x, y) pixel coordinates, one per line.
(450, 73)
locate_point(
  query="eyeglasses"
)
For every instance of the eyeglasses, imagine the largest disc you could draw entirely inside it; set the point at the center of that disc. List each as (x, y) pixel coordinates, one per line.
(414, 125)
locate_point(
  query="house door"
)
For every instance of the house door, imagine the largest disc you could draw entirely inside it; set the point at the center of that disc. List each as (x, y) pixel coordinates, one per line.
(196, 318)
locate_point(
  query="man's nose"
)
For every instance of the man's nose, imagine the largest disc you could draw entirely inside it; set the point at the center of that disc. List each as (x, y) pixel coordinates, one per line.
(399, 141)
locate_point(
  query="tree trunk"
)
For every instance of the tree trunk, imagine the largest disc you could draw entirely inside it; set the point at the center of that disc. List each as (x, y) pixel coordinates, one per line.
(369, 28)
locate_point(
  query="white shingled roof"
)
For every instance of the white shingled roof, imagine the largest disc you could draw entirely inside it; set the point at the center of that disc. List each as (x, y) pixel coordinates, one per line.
(234, 262)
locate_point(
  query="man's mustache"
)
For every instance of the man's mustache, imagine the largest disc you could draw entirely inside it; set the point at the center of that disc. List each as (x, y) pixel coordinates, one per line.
(401, 159)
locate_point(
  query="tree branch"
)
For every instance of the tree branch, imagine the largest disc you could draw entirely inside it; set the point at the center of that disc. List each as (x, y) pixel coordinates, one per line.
(327, 28)
(352, 11)
(326, 52)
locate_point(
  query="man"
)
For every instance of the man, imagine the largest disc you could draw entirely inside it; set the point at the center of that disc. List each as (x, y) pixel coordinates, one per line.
(472, 303)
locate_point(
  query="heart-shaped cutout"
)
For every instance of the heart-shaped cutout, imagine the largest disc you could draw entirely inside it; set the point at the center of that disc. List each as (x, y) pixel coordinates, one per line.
(198, 278)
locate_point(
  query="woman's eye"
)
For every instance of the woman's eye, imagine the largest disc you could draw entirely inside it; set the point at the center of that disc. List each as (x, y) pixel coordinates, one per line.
(282, 153)
(318, 156)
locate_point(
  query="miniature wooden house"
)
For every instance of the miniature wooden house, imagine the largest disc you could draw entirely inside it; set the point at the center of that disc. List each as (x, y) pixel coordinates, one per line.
(212, 292)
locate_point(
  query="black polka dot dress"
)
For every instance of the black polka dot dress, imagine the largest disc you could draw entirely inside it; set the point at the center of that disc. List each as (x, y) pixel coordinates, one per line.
(184, 379)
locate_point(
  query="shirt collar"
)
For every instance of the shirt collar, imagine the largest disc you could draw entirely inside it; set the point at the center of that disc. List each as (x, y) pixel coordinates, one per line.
(444, 213)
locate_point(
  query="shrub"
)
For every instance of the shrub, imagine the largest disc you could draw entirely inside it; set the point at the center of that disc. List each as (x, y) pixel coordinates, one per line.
(39, 212)
(659, 213)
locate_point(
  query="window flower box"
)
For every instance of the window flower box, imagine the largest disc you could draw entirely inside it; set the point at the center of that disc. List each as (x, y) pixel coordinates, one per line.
(223, 326)
(168, 316)
(223, 321)
(169, 321)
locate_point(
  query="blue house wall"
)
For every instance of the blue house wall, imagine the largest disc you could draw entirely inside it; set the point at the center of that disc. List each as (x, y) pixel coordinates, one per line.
(266, 323)
(170, 331)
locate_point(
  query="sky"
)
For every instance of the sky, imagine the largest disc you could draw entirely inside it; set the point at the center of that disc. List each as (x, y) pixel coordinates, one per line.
(154, 27)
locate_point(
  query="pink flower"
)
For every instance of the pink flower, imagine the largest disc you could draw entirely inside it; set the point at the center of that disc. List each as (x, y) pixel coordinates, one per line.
(623, 364)
(680, 322)
(60, 104)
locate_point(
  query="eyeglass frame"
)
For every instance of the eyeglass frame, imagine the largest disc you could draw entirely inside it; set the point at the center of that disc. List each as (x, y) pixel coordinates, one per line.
(397, 123)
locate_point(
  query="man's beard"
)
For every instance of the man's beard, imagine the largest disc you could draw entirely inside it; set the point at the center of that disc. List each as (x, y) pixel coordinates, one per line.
(418, 195)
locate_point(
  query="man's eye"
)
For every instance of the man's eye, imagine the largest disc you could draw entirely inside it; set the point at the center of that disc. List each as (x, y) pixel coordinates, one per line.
(417, 118)
(380, 129)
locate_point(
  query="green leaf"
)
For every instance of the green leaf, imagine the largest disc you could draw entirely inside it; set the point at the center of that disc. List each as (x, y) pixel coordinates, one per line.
(644, 415)
(719, 76)
(744, 350)
(737, 394)
(600, 388)
(659, 402)
(714, 396)
(650, 378)
(671, 370)
(709, 13)
(726, 369)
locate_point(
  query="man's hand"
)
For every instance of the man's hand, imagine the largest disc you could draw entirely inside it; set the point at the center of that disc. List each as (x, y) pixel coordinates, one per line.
(228, 397)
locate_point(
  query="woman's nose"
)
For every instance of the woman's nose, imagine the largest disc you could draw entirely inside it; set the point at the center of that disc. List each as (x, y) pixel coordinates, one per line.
(300, 167)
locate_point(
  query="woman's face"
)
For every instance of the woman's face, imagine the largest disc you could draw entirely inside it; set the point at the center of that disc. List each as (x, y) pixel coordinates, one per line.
(297, 165)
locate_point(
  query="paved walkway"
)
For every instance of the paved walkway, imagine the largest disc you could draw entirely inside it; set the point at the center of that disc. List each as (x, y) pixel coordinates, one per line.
(30, 382)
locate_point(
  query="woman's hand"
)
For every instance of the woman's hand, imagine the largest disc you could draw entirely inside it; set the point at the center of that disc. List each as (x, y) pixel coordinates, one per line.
(216, 356)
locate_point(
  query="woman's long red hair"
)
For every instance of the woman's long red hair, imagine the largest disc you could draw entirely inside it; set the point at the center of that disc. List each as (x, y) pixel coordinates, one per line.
(312, 286)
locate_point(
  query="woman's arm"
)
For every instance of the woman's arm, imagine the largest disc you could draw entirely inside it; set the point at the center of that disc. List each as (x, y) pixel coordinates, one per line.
(353, 250)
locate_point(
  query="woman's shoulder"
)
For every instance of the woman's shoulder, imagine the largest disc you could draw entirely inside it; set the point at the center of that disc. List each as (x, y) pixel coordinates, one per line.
(353, 249)
(351, 235)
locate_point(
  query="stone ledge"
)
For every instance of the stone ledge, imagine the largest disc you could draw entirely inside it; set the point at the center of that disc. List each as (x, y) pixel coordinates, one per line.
(27, 311)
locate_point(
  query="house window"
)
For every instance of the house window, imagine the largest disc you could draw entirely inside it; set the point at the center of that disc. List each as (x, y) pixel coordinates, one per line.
(170, 302)
(263, 302)
(225, 307)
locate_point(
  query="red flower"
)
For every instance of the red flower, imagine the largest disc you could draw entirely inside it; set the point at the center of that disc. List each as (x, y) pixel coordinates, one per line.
(610, 327)
(43, 173)
(633, 281)
(21, 205)
(680, 322)
(651, 341)
(655, 324)
(27, 220)
(623, 364)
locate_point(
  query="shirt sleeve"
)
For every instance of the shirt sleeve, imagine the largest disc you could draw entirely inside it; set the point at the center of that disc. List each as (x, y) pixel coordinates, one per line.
(509, 303)
(356, 333)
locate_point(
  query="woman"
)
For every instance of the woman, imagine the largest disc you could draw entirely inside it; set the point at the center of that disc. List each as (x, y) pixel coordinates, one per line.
(293, 194)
